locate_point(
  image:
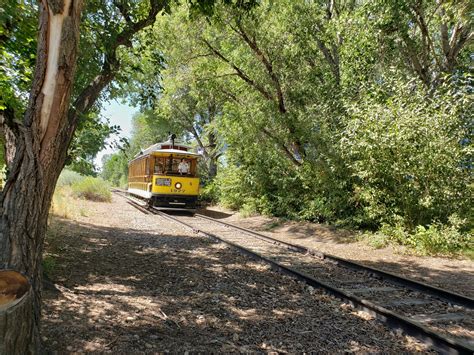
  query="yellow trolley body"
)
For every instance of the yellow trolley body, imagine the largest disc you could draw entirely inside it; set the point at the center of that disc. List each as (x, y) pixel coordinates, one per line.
(165, 174)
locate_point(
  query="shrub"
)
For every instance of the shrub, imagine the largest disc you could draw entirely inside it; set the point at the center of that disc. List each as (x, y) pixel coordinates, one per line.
(410, 157)
(61, 205)
(434, 239)
(209, 193)
(94, 189)
(68, 177)
(230, 185)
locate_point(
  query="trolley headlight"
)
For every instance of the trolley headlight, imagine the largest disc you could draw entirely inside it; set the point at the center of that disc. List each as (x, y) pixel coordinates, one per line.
(178, 185)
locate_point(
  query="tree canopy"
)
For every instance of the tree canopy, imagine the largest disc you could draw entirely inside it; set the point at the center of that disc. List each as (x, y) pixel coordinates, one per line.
(353, 112)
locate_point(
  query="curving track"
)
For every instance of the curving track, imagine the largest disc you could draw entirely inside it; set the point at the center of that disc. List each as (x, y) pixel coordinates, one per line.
(436, 316)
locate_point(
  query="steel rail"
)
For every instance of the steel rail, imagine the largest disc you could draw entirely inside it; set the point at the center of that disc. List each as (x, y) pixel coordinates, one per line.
(417, 285)
(442, 343)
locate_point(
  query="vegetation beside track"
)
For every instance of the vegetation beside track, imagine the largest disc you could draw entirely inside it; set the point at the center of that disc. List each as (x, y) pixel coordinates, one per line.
(72, 185)
(338, 124)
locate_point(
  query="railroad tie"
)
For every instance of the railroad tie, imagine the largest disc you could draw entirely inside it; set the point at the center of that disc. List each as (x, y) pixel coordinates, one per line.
(407, 302)
(433, 318)
(372, 289)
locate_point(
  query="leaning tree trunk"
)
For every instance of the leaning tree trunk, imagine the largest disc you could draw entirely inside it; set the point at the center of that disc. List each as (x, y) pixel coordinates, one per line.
(35, 153)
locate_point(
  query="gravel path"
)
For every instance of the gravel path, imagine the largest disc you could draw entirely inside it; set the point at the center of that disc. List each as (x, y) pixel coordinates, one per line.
(134, 283)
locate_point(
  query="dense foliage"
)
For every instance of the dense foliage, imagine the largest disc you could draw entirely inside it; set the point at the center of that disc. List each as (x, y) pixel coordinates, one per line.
(349, 112)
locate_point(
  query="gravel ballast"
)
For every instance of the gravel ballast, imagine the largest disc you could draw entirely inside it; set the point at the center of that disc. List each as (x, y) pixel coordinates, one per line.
(127, 282)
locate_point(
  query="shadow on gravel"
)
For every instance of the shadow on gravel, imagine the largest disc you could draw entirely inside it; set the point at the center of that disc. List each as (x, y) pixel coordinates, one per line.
(460, 281)
(129, 291)
(214, 214)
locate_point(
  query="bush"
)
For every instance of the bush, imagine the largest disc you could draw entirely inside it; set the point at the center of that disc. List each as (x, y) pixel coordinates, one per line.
(94, 189)
(230, 187)
(434, 239)
(410, 158)
(210, 193)
(68, 177)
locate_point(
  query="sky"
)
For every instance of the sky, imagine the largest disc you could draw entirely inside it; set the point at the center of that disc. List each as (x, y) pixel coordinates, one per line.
(118, 114)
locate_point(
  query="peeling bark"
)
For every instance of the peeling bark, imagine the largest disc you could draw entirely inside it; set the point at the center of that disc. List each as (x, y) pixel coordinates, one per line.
(55, 76)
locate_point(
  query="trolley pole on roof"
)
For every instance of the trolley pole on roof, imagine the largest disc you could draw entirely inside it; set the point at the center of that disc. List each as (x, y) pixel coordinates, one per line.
(172, 138)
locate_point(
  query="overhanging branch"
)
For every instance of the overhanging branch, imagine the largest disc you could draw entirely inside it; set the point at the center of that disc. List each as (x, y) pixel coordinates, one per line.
(240, 72)
(265, 60)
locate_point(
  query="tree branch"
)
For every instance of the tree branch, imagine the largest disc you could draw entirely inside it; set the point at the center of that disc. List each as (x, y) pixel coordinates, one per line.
(427, 41)
(252, 43)
(123, 10)
(331, 58)
(460, 37)
(282, 146)
(239, 72)
(90, 94)
(193, 130)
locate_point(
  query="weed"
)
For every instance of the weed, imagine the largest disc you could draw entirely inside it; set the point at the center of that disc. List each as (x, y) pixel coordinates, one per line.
(434, 239)
(61, 205)
(94, 189)
(273, 224)
(375, 240)
(49, 265)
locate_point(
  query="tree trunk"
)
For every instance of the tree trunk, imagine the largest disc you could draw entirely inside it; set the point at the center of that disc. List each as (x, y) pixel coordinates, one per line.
(213, 156)
(16, 320)
(36, 149)
(212, 167)
(36, 152)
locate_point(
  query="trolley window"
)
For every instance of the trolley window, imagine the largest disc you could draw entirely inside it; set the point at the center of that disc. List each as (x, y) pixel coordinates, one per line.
(175, 166)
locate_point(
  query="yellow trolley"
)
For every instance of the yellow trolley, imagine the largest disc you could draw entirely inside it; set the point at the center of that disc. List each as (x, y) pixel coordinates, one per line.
(165, 174)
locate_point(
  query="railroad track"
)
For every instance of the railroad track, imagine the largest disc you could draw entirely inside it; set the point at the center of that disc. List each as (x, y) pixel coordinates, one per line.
(440, 318)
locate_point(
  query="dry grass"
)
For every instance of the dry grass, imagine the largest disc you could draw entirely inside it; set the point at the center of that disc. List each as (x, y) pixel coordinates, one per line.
(64, 204)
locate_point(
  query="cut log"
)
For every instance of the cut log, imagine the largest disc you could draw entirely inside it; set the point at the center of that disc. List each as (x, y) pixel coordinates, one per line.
(16, 314)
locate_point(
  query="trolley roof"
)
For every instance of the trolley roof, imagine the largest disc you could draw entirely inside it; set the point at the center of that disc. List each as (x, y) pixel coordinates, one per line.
(165, 145)
(168, 152)
(167, 149)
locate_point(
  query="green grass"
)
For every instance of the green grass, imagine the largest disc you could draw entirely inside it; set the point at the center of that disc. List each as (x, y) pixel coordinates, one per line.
(68, 177)
(49, 265)
(93, 189)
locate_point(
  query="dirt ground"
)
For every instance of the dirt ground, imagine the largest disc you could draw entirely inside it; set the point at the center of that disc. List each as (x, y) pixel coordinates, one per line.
(125, 282)
(454, 274)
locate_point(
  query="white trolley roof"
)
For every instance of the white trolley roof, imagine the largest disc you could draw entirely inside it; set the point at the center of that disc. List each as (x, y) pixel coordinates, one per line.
(167, 148)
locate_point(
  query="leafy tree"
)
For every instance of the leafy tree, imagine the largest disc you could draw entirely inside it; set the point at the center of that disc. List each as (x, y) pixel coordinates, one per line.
(18, 26)
(115, 168)
(170, 88)
(291, 76)
(430, 37)
(89, 139)
(411, 155)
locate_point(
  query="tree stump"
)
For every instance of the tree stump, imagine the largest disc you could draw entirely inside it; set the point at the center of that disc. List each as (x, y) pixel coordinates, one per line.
(16, 314)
